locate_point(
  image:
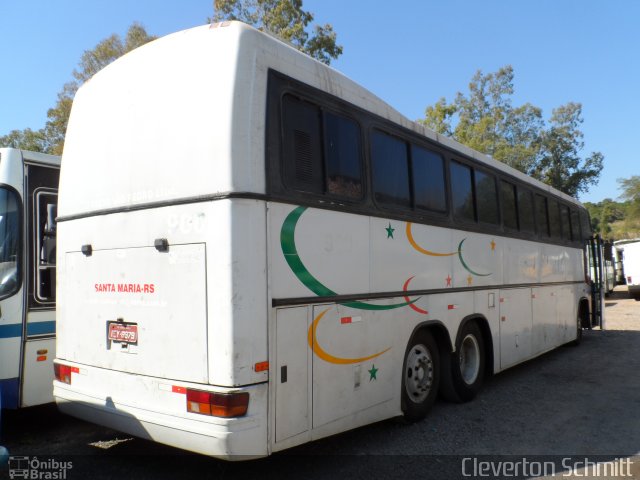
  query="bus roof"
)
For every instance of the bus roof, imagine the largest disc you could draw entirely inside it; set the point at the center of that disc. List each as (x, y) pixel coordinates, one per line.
(35, 157)
(160, 123)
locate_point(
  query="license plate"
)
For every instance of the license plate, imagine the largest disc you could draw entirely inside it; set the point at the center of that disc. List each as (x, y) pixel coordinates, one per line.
(122, 332)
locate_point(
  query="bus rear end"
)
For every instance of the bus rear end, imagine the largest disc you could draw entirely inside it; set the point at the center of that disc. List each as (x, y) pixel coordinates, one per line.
(161, 277)
(631, 263)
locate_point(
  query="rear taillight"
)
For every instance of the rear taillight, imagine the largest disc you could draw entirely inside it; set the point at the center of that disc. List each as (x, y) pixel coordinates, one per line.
(217, 404)
(63, 372)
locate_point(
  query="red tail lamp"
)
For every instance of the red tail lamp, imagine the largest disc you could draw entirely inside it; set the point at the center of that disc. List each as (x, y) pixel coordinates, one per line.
(63, 372)
(225, 405)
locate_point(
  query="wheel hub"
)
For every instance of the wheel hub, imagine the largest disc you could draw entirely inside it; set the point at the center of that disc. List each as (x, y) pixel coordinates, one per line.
(419, 374)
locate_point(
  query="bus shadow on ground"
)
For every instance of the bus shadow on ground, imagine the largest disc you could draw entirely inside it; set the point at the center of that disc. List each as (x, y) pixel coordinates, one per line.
(571, 405)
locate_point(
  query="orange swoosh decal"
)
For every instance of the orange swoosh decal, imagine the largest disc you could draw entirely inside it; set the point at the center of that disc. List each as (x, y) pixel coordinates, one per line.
(422, 250)
(327, 357)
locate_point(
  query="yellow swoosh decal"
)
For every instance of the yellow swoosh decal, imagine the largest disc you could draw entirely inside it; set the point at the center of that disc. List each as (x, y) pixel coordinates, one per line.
(422, 250)
(327, 357)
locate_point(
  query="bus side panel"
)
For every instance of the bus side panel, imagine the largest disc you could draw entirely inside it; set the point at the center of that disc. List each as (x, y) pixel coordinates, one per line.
(37, 379)
(318, 252)
(238, 318)
(631, 263)
(10, 349)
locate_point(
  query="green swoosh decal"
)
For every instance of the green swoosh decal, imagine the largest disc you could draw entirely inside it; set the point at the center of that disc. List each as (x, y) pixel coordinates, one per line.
(288, 245)
(464, 264)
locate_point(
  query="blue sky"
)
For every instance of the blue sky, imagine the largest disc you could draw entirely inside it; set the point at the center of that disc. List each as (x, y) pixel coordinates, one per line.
(408, 52)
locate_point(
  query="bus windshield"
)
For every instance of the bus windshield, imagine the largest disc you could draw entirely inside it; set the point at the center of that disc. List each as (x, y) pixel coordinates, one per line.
(9, 241)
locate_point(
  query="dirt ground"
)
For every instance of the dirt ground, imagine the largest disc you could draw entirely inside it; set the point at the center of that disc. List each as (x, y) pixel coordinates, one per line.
(574, 406)
(621, 312)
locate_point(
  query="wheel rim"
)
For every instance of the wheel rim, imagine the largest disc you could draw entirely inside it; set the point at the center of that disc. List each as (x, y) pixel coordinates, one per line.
(469, 359)
(419, 374)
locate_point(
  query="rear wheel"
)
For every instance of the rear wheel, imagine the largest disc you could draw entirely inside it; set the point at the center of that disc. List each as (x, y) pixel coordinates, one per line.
(420, 377)
(578, 338)
(463, 370)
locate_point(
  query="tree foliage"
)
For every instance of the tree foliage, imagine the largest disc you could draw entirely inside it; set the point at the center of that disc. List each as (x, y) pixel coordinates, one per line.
(630, 226)
(287, 20)
(50, 139)
(26, 139)
(486, 120)
(606, 217)
(618, 220)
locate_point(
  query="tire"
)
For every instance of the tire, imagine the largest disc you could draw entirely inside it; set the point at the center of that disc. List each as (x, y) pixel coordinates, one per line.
(463, 370)
(578, 339)
(420, 376)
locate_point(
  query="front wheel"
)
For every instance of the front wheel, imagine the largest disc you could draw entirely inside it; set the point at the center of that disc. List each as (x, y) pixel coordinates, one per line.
(463, 370)
(420, 377)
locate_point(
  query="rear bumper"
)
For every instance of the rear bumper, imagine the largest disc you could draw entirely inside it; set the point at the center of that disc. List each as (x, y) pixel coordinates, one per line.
(159, 414)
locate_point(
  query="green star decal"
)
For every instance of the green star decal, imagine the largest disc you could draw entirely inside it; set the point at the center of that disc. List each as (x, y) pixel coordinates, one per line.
(373, 373)
(390, 231)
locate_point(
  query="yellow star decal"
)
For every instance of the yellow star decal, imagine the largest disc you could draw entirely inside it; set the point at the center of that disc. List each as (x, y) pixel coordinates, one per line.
(469, 280)
(493, 246)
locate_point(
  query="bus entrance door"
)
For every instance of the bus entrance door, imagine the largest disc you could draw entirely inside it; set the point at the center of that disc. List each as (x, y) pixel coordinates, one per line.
(595, 254)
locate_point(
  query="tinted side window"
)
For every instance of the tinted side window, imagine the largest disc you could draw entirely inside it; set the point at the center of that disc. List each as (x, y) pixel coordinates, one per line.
(428, 180)
(486, 198)
(575, 225)
(302, 146)
(462, 192)
(525, 211)
(509, 210)
(390, 170)
(342, 147)
(565, 222)
(585, 224)
(554, 219)
(11, 238)
(542, 222)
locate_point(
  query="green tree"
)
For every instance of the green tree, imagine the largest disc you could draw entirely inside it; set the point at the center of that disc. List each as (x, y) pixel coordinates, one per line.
(630, 227)
(26, 139)
(50, 139)
(486, 120)
(559, 163)
(606, 216)
(286, 19)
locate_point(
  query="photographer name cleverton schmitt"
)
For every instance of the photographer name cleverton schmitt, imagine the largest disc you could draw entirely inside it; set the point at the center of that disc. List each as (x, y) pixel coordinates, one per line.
(568, 467)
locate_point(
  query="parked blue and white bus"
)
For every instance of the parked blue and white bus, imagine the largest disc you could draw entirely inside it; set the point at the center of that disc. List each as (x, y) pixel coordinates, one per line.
(28, 200)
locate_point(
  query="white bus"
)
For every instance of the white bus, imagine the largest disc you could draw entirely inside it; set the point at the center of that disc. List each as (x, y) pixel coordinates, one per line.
(256, 252)
(630, 250)
(28, 199)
